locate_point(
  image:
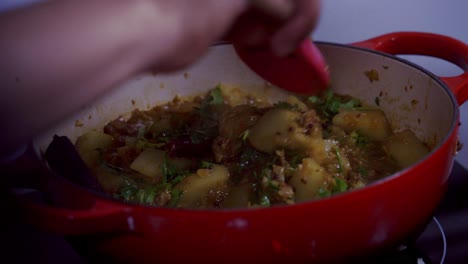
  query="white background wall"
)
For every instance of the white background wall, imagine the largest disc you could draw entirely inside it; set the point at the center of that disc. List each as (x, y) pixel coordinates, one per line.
(346, 21)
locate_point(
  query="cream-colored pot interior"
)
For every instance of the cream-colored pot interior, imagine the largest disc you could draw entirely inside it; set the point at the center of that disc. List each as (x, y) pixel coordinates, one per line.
(410, 97)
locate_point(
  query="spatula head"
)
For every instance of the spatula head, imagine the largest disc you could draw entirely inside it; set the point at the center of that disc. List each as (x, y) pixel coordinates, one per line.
(305, 71)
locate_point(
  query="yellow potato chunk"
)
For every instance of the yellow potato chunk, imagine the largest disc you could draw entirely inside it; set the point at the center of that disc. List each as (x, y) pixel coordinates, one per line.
(405, 148)
(88, 146)
(203, 185)
(370, 122)
(308, 179)
(149, 163)
(276, 129)
(343, 164)
(296, 102)
(109, 180)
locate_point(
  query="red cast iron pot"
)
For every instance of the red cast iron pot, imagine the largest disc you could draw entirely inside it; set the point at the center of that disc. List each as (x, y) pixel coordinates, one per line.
(381, 215)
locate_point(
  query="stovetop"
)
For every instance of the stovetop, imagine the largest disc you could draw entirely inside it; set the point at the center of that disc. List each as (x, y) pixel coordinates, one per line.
(445, 239)
(453, 217)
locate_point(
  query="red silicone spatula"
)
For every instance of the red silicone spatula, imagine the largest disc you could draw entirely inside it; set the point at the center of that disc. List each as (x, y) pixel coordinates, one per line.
(305, 71)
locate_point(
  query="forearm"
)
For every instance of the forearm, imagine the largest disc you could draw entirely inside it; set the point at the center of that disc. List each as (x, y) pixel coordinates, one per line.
(51, 66)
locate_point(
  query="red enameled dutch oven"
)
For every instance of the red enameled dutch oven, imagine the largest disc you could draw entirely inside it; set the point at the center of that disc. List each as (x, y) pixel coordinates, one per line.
(381, 215)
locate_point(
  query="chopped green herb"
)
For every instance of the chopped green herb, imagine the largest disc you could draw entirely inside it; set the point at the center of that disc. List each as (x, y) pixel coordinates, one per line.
(360, 140)
(329, 104)
(178, 179)
(273, 185)
(285, 105)
(294, 158)
(206, 164)
(314, 99)
(146, 196)
(340, 185)
(363, 171)
(175, 197)
(353, 103)
(142, 143)
(323, 192)
(245, 135)
(141, 132)
(265, 201)
(172, 174)
(216, 96)
(128, 190)
(340, 161)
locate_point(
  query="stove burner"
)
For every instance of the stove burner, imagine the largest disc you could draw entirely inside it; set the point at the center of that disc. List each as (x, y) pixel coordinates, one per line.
(444, 240)
(429, 248)
(433, 243)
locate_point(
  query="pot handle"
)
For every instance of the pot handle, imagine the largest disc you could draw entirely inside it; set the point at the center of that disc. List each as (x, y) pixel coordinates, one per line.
(101, 216)
(429, 44)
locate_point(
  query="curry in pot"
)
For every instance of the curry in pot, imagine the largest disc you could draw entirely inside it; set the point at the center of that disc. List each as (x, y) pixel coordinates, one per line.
(214, 151)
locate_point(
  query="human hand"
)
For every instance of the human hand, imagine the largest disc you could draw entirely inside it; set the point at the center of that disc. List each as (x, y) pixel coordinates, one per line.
(279, 24)
(191, 27)
(194, 27)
